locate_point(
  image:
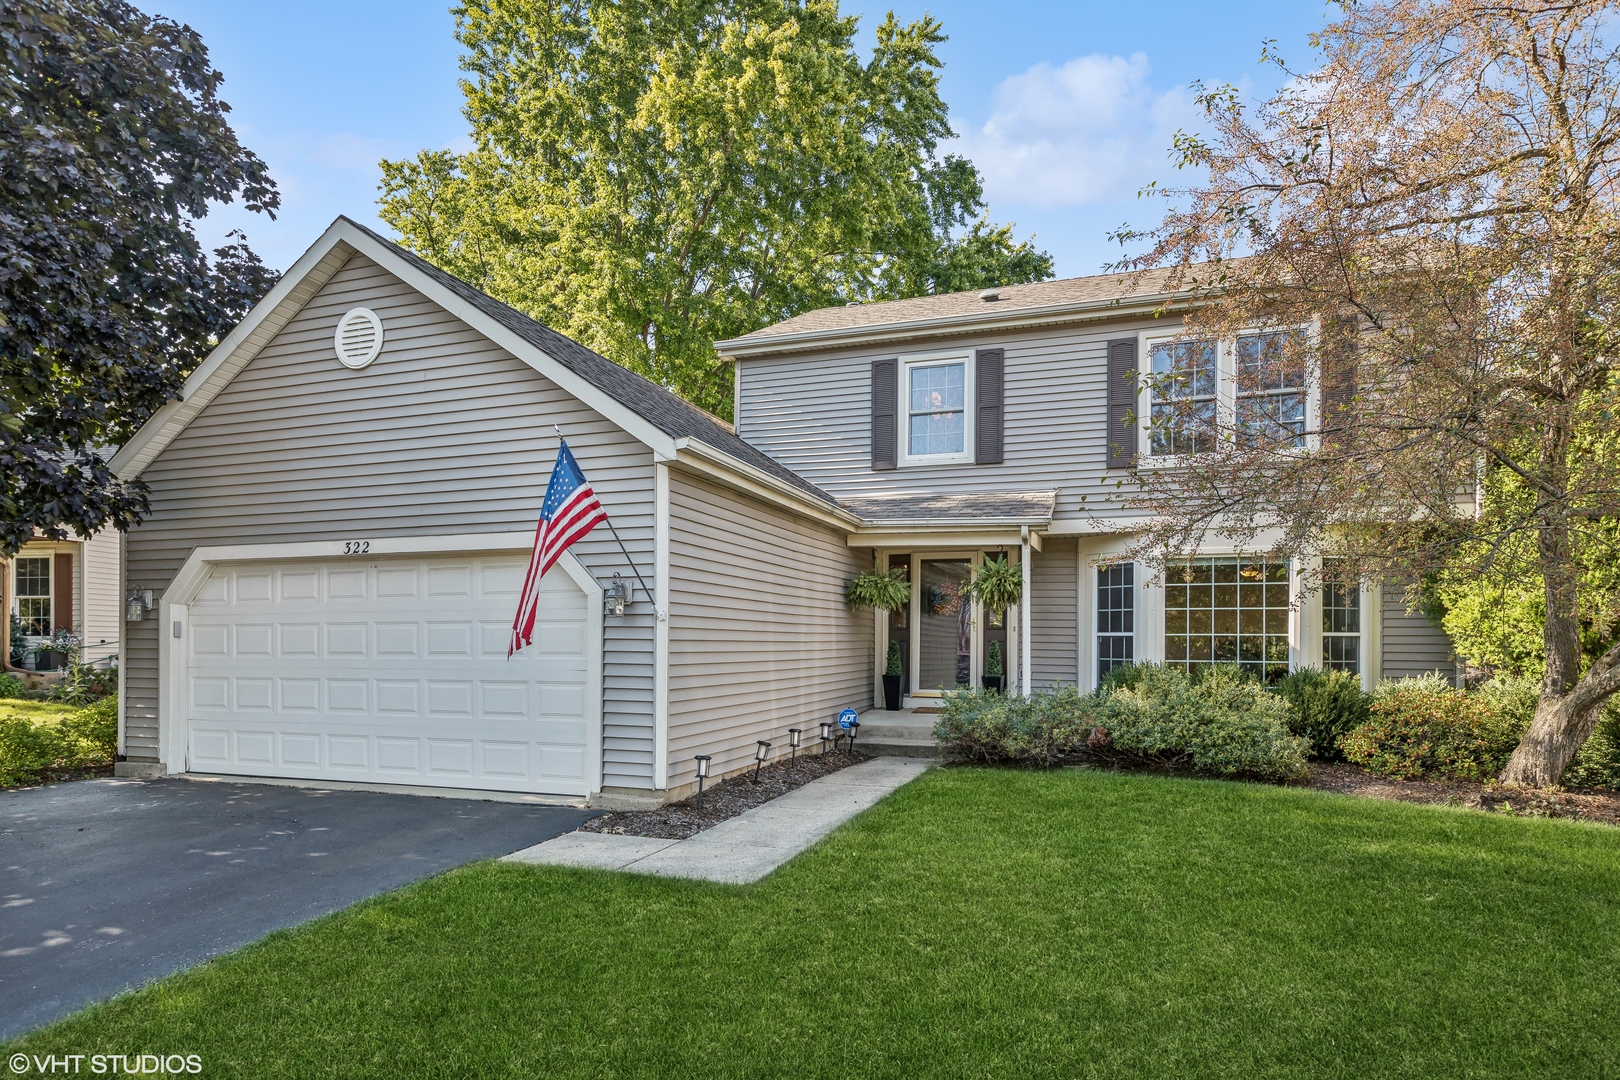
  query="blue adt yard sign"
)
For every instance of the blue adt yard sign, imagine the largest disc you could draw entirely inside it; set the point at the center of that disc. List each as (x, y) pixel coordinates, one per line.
(848, 718)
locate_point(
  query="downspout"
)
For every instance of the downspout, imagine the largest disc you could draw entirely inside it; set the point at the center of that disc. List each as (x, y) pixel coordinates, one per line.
(1025, 629)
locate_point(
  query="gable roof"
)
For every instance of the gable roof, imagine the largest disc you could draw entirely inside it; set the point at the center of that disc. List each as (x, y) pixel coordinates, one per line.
(959, 311)
(647, 411)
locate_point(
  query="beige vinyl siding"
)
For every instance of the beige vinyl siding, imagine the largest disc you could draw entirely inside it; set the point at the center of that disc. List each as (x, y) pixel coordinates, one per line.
(1055, 613)
(1411, 644)
(444, 433)
(102, 601)
(813, 413)
(760, 639)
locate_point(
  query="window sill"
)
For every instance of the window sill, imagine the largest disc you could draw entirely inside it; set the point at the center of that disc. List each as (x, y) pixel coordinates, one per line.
(934, 459)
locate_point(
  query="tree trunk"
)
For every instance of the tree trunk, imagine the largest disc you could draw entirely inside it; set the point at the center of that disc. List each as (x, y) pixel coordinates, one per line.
(1561, 728)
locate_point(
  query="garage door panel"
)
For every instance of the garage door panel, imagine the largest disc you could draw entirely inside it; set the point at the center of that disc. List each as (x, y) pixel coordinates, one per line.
(394, 671)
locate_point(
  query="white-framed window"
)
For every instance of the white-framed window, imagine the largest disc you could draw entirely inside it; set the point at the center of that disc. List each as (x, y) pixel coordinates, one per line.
(1116, 617)
(1252, 387)
(1341, 623)
(31, 585)
(1230, 609)
(936, 409)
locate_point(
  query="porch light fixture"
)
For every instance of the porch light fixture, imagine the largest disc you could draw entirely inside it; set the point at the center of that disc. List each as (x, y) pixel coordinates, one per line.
(826, 735)
(761, 749)
(615, 596)
(793, 743)
(703, 774)
(138, 604)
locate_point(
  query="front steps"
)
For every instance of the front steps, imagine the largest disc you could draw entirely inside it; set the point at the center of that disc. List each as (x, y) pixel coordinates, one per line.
(906, 733)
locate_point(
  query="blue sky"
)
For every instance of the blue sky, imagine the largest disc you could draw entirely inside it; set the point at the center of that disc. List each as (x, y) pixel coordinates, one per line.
(1067, 108)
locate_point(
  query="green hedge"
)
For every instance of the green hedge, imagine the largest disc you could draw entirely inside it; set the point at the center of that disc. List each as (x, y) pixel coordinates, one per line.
(1325, 707)
(1152, 715)
(33, 751)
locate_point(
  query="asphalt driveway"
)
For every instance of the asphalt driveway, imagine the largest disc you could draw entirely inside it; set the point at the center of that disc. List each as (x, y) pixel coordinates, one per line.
(107, 884)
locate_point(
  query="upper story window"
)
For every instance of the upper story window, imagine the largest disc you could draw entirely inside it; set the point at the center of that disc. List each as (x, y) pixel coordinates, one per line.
(1182, 391)
(1252, 389)
(937, 399)
(1270, 389)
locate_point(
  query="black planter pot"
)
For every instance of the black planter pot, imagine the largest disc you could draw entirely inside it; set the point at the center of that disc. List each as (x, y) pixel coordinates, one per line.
(891, 692)
(50, 660)
(992, 683)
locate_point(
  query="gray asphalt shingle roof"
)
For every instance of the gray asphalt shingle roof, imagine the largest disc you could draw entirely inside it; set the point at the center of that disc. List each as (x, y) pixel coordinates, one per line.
(1041, 294)
(955, 507)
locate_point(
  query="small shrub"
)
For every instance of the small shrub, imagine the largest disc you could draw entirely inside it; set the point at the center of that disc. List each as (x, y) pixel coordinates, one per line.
(11, 686)
(1123, 677)
(96, 727)
(1327, 706)
(1425, 726)
(83, 684)
(992, 661)
(31, 750)
(1222, 723)
(1597, 764)
(1041, 729)
(891, 663)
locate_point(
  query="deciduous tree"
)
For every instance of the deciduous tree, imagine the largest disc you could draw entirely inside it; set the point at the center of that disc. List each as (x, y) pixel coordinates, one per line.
(650, 176)
(1435, 200)
(113, 140)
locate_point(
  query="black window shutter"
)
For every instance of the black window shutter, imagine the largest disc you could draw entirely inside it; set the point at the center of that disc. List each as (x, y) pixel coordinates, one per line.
(1122, 386)
(1338, 358)
(885, 405)
(989, 367)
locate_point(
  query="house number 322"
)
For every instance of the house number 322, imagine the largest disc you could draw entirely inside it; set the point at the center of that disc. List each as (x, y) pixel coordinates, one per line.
(356, 547)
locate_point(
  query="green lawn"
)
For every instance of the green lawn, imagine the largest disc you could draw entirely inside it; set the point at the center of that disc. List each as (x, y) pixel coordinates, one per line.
(978, 923)
(38, 712)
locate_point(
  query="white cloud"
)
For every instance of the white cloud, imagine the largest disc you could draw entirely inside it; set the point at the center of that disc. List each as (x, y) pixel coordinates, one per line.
(1090, 131)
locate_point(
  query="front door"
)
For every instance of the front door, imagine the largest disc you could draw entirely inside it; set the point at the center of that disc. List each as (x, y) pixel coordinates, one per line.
(944, 625)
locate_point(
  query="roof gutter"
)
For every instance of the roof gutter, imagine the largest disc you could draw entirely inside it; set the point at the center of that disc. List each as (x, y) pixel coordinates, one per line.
(746, 347)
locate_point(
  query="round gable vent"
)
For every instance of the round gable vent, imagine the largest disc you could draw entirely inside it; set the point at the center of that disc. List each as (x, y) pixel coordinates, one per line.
(359, 337)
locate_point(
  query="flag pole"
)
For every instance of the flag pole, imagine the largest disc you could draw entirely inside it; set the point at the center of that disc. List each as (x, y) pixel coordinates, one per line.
(651, 599)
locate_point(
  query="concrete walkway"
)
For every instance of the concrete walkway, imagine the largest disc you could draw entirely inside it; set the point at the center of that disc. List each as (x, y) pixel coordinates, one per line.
(746, 847)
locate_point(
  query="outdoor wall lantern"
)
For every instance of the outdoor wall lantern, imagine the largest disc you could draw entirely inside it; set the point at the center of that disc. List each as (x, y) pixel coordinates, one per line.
(615, 596)
(826, 735)
(793, 743)
(760, 751)
(138, 604)
(703, 774)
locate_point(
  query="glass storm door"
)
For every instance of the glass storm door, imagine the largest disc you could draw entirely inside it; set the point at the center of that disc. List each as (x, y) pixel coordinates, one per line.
(944, 626)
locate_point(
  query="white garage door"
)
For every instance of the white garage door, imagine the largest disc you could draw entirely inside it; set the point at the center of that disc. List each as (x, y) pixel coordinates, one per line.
(391, 671)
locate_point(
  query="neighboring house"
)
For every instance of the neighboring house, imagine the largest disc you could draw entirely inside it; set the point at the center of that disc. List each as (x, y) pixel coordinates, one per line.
(71, 585)
(344, 498)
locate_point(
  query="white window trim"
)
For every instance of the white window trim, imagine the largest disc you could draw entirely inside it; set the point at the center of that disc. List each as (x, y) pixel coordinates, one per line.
(1225, 393)
(905, 458)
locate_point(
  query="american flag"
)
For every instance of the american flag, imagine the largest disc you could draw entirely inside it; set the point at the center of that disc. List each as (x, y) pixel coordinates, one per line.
(570, 511)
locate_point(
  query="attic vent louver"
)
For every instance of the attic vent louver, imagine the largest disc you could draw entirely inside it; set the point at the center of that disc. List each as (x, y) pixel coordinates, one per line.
(359, 337)
(989, 296)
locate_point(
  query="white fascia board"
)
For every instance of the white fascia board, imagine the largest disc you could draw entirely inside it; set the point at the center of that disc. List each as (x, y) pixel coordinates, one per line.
(955, 539)
(307, 276)
(1021, 319)
(302, 281)
(700, 457)
(1037, 521)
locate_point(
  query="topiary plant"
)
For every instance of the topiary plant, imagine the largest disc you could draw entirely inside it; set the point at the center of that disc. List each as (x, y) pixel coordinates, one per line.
(892, 664)
(999, 584)
(887, 590)
(992, 660)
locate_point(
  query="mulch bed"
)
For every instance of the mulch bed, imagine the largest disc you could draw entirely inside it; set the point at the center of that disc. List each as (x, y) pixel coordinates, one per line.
(723, 800)
(1580, 804)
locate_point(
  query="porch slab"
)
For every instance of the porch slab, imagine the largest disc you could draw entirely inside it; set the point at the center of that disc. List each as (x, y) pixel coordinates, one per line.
(748, 846)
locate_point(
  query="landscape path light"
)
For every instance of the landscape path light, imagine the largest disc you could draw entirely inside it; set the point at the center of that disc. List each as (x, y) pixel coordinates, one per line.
(854, 729)
(760, 751)
(793, 743)
(703, 774)
(826, 735)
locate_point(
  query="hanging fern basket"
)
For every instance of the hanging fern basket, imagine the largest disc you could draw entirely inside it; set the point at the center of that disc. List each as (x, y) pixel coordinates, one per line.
(883, 590)
(999, 584)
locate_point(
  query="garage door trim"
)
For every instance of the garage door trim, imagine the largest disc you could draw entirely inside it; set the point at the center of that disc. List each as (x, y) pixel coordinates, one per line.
(174, 611)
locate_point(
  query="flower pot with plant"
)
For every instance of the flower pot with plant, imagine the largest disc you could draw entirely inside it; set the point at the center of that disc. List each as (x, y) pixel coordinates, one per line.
(892, 672)
(993, 670)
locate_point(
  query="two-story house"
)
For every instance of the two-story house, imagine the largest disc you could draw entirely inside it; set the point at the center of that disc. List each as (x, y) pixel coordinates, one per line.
(344, 499)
